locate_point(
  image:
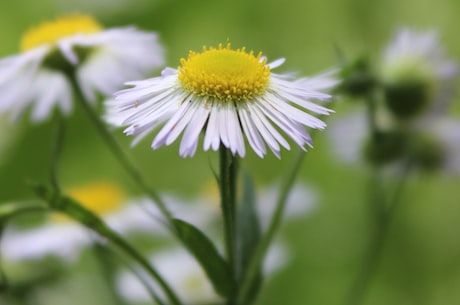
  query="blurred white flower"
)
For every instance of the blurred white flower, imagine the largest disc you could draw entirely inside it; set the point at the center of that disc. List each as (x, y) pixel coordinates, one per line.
(229, 95)
(100, 59)
(348, 135)
(416, 74)
(64, 238)
(300, 202)
(179, 269)
(186, 276)
(447, 131)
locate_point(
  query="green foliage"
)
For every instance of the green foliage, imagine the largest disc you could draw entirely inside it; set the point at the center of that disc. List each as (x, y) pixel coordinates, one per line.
(249, 234)
(207, 255)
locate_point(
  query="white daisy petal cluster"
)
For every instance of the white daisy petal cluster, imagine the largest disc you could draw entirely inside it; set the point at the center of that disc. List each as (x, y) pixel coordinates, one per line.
(229, 95)
(101, 60)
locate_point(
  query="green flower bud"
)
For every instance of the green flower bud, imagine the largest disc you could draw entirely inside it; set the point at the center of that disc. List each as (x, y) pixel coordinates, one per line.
(426, 151)
(357, 79)
(385, 147)
(409, 90)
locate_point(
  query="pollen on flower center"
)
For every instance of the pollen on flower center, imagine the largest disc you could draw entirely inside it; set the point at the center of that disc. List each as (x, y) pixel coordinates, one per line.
(225, 74)
(99, 197)
(52, 31)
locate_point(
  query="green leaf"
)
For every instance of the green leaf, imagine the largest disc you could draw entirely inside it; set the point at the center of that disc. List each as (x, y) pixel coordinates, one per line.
(249, 233)
(207, 256)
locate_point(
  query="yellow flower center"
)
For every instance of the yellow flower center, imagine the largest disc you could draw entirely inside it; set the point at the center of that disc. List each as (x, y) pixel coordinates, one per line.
(100, 197)
(52, 31)
(225, 74)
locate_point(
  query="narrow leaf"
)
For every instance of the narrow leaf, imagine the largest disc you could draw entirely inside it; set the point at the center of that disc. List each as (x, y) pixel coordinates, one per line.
(204, 251)
(249, 233)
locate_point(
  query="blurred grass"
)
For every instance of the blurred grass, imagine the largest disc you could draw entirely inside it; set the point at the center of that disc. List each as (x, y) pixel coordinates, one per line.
(421, 264)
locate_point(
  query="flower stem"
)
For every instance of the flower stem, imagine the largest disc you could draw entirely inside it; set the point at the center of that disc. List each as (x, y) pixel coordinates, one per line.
(119, 154)
(56, 153)
(257, 260)
(227, 185)
(384, 215)
(372, 116)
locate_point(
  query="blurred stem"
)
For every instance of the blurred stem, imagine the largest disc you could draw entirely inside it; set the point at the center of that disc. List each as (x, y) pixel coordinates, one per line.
(227, 185)
(118, 152)
(87, 218)
(107, 271)
(57, 201)
(256, 262)
(384, 214)
(58, 144)
(132, 252)
(372, 115)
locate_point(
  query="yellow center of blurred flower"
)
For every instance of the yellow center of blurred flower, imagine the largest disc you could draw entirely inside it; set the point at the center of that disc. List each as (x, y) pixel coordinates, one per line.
(225, 74)
(52, 31)
(100, 197)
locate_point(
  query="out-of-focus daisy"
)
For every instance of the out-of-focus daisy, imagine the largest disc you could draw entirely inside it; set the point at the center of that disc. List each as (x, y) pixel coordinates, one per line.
(186, 277)
(439, 147)
(436, 145)
(100, 60)
(301, 201)
(416, 74)
(228, 94)
(64, 238)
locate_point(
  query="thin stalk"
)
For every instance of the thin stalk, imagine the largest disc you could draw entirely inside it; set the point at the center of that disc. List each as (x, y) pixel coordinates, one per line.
(107, 271)
(257, 260)
(227, 185)
(128, 249)
(56, 153)
(23, 210)
(118, 152)
(372, 116)
(384, 217)
(56, 200)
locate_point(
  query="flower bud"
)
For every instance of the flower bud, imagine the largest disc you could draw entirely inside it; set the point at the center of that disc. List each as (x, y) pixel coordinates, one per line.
(408, 90)
(425, 151)
(384, 147)
(357, 79)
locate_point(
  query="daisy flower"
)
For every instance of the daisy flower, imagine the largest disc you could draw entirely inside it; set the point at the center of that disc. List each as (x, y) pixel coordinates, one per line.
(416, 74)
(61, 237)
(229, 95)
(73, 46)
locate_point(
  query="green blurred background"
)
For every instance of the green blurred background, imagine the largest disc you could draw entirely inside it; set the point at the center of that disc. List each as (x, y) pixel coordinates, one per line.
(421, 260)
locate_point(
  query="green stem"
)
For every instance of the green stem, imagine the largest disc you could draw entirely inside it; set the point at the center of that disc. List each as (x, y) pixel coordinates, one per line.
(22, 210)
(384, 216)
(127, 248)
(372, 116)
(107, 271)
(56, 153)
(227, 185)
(90, 220)
(119, 154)
(259, 255)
